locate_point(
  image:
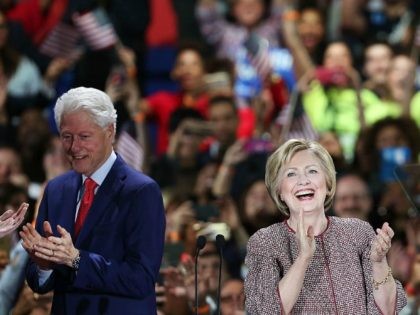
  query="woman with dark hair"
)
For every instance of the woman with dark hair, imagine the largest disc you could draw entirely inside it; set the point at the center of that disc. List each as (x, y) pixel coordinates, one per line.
(386, 133)
(387, 146)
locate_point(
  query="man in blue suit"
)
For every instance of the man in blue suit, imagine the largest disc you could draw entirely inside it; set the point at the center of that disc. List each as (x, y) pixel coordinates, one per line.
(100, 256)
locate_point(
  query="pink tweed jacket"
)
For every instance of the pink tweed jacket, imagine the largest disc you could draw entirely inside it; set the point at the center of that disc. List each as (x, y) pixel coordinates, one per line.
(338, 279)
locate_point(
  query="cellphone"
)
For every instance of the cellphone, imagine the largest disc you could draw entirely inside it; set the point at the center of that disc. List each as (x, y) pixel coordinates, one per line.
(206, 212)
(331, 76)
(200, 128)
(390, 159)
(258, 146)
(217, 81)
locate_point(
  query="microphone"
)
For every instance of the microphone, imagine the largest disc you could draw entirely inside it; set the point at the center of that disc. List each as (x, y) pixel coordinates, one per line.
(201, 242)
(220, 244)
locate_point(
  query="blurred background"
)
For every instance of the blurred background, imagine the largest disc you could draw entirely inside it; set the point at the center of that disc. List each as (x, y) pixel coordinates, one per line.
(205, 90)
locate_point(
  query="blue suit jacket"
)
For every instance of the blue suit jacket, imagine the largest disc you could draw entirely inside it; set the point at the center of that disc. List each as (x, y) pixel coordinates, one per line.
(121, 244)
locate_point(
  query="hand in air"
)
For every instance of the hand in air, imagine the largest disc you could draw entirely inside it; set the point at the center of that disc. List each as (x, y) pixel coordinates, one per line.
(381, 243)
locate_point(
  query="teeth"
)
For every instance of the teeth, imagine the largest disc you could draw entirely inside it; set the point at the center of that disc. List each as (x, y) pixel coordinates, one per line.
(304, 192)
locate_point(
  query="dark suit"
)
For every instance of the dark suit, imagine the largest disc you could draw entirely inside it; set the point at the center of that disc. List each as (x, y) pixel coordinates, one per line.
(121, 244)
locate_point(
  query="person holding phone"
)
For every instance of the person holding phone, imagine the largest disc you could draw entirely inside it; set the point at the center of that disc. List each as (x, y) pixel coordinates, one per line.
(188, 71)
(312, 263)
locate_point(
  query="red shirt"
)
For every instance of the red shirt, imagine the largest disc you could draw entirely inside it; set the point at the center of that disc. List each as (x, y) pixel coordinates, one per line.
(163, 104)
(35, 23)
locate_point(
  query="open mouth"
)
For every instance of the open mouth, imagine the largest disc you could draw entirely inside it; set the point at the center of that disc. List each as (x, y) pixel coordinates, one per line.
(307, 194)
(78, 157)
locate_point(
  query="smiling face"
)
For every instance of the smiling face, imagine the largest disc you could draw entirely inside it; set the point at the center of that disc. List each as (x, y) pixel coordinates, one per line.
(224, 120)
(248, 12)
(87, 145)
(189, 70)
(311, 28)
(377, 62)
(303, 184)
(337, 55)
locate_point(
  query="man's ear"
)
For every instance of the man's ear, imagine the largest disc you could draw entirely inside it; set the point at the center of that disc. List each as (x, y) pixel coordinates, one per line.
(110, 131)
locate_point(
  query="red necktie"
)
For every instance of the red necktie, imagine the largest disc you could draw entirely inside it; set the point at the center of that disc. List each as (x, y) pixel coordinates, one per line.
(85, 203)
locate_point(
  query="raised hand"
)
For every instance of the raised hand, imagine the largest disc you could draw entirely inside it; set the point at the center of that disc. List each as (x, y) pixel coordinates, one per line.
(235, 153)
(10, 220)
(55, 68)
(381, 243)
(306, 238)
(179, 216)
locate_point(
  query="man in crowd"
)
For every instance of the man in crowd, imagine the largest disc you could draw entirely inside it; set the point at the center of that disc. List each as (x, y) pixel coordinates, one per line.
(352, 197)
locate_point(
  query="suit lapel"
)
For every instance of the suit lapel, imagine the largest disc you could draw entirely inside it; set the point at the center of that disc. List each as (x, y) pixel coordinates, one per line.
(104, 199)
(68, 202)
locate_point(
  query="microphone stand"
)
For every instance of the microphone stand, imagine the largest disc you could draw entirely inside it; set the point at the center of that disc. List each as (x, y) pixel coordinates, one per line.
(201, 242)
(220, 243)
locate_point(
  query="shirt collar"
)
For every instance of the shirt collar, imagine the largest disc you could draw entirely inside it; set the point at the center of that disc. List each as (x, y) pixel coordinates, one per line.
(99, 175)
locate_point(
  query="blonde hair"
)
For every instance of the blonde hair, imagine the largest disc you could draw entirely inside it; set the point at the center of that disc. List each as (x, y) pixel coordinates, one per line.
(283, 155)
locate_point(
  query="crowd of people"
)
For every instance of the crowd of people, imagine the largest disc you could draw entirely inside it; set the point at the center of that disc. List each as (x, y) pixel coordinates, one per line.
(243, 78)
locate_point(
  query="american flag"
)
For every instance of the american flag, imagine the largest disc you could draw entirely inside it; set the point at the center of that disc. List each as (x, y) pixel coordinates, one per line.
(96, 29)
(259, 55)
(130, 151)
(294, 121)
(61, 41)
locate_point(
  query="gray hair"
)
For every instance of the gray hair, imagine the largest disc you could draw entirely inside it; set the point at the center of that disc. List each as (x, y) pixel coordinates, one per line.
(93, 101)
(283, 155)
